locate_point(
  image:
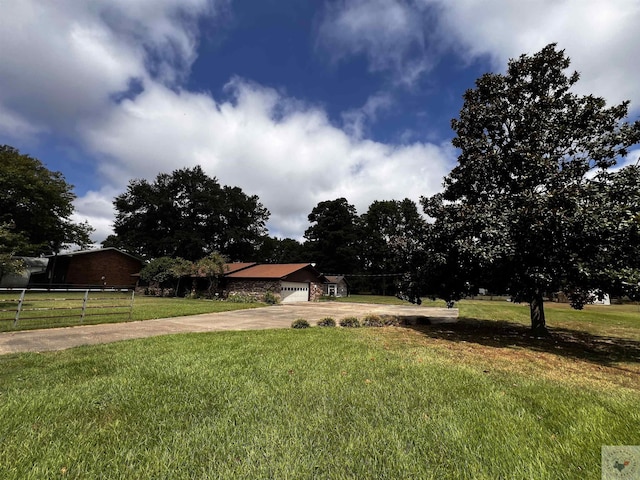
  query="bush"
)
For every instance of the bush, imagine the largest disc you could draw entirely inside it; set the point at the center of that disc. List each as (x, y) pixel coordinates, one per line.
(390, 321)
(350, 322)
(300, 323)
(270, 298)
(327, 322)
(372, 321)
(240, 298)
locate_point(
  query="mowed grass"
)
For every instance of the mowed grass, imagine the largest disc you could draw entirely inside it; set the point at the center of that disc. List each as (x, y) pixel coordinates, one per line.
(68, 308)
(479, 399)
(435, 402)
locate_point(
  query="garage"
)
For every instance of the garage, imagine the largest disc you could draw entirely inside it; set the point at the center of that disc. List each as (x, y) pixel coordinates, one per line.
(294, 292)
(288, 282)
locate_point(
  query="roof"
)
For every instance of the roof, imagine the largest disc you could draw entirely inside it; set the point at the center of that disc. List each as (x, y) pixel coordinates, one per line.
(336, 279)
(279, 270)
(237, 266)
(95, 250)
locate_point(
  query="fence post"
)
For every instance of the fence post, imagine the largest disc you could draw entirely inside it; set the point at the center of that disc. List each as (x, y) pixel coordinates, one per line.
(20, 302)
(84, 305)
(133, 293)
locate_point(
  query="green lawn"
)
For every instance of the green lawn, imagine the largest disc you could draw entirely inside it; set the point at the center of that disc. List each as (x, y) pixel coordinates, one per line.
(474, 400)
(145, 308)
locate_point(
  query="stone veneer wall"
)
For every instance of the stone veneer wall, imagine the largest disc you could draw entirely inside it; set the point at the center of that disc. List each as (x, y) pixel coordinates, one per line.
(253, 288)
(257, 288)
(316, 291)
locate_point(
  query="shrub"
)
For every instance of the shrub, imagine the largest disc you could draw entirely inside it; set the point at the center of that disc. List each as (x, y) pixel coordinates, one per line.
(240, 298)
(350, 322)
(300, 323)
(327, 322)
(372, 321)
(390, 321)
(270, 298)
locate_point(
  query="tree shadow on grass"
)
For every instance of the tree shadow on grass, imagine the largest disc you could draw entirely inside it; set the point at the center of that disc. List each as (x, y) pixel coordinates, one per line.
(602, 350)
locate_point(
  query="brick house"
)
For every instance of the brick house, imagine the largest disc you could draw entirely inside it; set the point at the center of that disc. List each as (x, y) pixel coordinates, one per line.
(290, 282)
(108, 267)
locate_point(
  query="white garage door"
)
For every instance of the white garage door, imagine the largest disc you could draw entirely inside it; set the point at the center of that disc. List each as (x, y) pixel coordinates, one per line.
(294, 292)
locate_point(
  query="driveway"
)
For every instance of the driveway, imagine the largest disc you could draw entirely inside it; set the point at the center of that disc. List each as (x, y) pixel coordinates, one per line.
(278, 316)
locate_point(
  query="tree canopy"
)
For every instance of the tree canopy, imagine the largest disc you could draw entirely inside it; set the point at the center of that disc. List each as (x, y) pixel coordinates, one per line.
(532, 206)
(392, 232)
(190, 215)
(332, 238)
(37, 204)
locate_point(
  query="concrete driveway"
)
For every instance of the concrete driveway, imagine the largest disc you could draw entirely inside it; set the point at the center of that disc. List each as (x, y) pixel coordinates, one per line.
(278, 316)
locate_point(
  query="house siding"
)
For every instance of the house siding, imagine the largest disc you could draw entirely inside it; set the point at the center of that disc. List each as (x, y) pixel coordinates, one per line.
(90, 268)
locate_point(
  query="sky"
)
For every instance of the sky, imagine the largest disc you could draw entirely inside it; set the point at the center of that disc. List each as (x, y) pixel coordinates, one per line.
(294, 101)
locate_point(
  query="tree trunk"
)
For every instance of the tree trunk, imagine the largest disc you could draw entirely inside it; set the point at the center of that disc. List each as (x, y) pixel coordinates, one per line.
(538, 322)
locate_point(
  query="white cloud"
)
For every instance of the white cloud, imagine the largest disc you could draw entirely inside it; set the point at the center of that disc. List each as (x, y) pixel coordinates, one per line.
(390, 33)
(357, 120)
(61, 61)
(407, 37)
(270, 145)
(601, 37)
(96, 208)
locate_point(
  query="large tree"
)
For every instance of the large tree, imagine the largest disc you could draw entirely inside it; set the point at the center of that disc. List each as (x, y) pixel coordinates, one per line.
(392, 233)
(190, 215)
(532, 206)
(332, 238)
(37, 203)
(282, 250)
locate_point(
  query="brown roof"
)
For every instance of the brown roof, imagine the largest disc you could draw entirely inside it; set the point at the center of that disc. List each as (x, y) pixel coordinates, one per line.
(236, 266)
(280, 270)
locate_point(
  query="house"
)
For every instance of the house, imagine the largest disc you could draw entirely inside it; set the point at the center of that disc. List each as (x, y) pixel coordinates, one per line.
(32, 266)
(290, 282)
(105, 267)
(337, 286)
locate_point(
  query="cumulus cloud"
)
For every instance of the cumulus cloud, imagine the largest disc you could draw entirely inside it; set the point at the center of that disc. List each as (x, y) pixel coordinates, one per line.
(61, 62)
(111, 74)
(96, 208)
(273, 146)
(601, 37)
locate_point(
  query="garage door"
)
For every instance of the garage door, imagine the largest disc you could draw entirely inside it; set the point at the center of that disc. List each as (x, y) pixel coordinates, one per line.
(294, 292)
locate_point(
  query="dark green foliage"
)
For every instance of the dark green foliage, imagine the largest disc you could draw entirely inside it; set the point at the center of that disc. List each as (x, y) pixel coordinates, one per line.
(350, 322)
(38, 204)
(300, 323)
(373, 321)
(392, 234)
(270, 298)
(333, 236)
(326, 322)
(188, 214)
(531, 207)
(281, 250)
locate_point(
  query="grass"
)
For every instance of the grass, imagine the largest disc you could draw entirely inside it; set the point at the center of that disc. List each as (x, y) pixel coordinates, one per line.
(145, 308)
(475, 400)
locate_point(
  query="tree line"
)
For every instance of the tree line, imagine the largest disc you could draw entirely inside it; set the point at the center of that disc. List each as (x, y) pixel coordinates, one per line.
(536, 204)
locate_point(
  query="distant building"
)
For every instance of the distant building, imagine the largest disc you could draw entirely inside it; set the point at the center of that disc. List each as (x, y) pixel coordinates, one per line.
(106, 267)
(336, 286)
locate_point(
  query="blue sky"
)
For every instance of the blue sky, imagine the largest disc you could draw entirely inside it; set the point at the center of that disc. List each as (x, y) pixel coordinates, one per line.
(294, 101)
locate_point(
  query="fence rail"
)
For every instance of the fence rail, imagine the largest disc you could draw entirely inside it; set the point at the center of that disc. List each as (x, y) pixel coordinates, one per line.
(64, 304)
